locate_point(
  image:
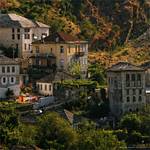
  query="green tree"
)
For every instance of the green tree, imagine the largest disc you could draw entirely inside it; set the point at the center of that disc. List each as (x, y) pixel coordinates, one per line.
(99, 140)
(57, 25)
(97, 73)
(75, 69)
(9, 124)
(131, 122)
(88, 29)
(55, 132)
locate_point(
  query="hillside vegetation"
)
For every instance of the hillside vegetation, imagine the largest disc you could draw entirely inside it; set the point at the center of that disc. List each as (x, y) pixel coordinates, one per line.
(106, 24)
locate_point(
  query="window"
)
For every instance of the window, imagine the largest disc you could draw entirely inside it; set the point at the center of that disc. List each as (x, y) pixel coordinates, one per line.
(134, 92)
(41, 87)
(27, 36)
(18, 36)
(13, 69)
(18, 30)
(128, 99)
(13, 30)
(127, 92)
(8, 69)
(33, 36)
(140, 98)
(127, 77)
(140, 92)
(12, 80)
(51, 50)
(139, 77)
(127, 80)
(29, 46)
(50, 87)
(134, 99)
(3, 69)
(37, 49)
(69, 49)
(13, 36)
(61, 49)
(45, 87)
(4, 80)
(25, 46)
(130, 110)
(26, 30)
(133, 77)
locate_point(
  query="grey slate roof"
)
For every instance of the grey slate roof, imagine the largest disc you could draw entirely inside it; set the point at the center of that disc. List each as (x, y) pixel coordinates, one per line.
(54, 77)
(16, 21)
(146, 65)
(124, 66)
(7, 61)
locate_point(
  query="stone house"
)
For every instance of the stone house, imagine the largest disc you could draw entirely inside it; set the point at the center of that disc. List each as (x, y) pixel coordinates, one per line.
(67, 49)
(72, 89)
(19, 32)
(126, 88)
(10, 77)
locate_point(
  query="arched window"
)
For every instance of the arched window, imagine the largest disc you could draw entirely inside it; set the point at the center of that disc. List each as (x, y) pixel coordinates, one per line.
(140, 98)
(134, 99)
(137, 109)
(128, 99)
(4, 80)
(130, 110)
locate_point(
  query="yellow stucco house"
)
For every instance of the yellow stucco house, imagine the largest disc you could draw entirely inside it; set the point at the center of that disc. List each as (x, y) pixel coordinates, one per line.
(68, 50)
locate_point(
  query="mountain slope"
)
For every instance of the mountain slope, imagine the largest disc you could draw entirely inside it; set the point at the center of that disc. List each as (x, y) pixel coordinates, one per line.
(137, 52)
(107, 24)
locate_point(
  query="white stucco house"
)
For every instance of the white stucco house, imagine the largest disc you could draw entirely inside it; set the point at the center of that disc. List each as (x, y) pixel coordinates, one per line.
(45, 86)
(9, 76)
(19, 32)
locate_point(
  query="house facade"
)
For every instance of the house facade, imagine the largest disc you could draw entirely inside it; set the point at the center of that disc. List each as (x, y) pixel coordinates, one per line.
(45, 86)
(67, 49)
(126, 88)
(9, 76)
(45, 62)
(19, 32)
(146, 66)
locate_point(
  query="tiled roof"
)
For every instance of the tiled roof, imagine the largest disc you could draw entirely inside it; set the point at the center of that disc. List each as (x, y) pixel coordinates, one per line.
(59, 37)
(125, 66)
(13, 20)
(58, 76)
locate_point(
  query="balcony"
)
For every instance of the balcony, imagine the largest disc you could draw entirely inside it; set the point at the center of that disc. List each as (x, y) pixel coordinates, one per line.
(79, 54)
